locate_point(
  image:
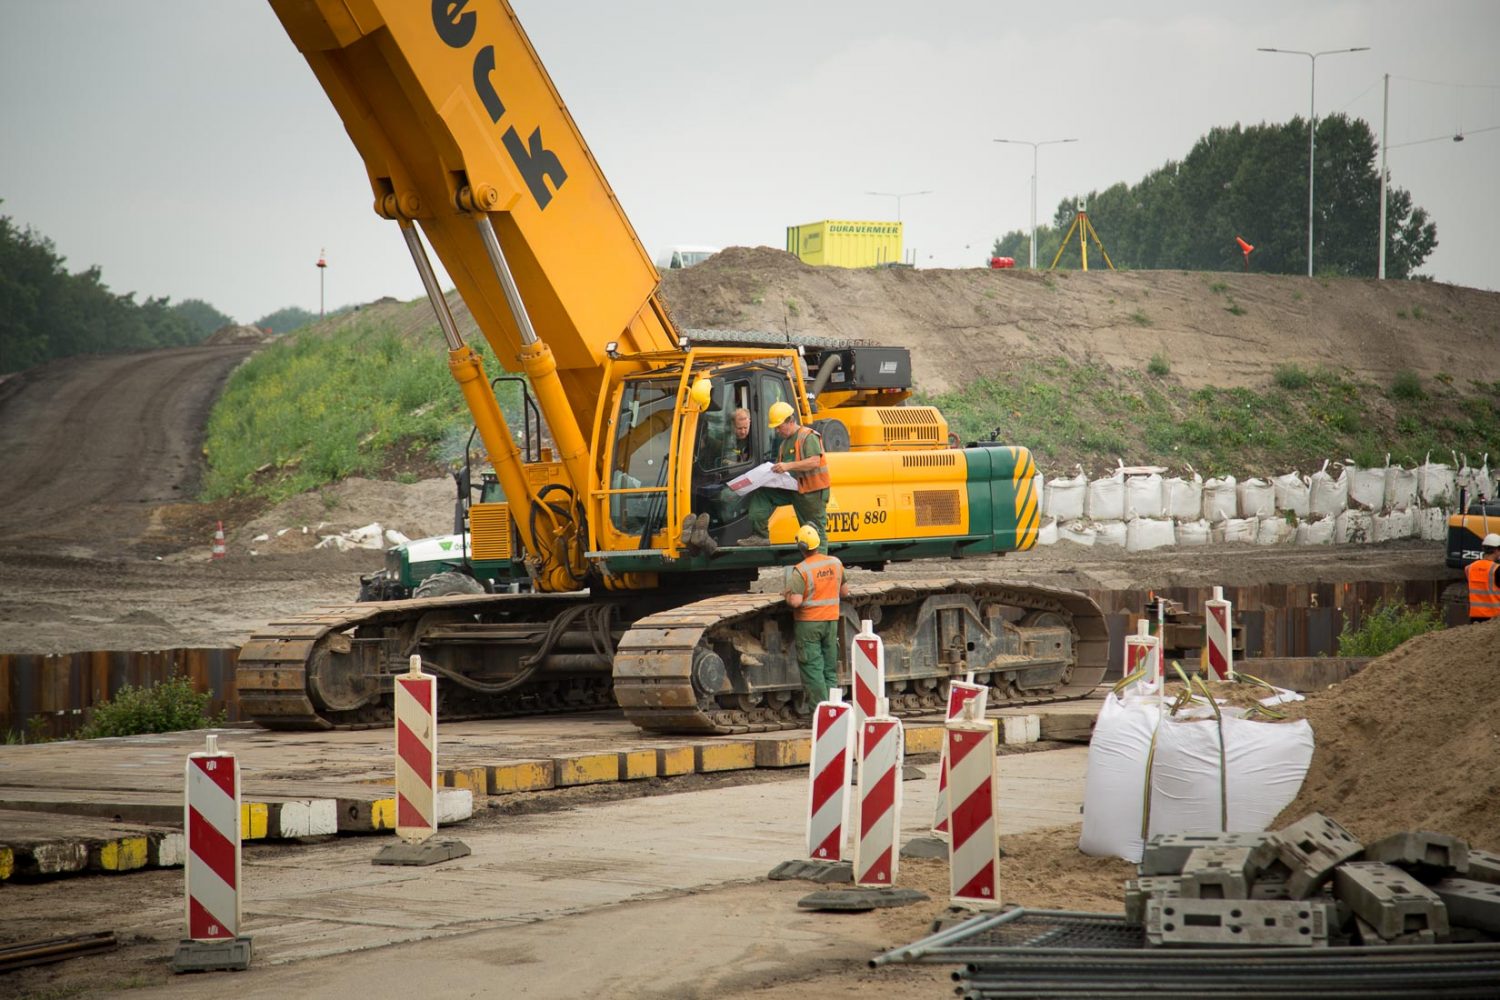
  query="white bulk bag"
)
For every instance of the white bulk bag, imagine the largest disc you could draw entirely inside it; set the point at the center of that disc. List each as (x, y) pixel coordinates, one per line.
(1476, 479)
(1064, 497)
(1106, 500)
(1108, 533)
(1432, 524)
(1436, 484)
(1274, 531)
(1391, 526)
(1319, 532)
(1265, 765)
(1327, 495)
(1400, 486)
(1236, 529)
(1077, 532)
(1219, 499)
(1257, 498)
(1192, 532)
(1366, 486)
(1184, 497)
(1112, 796)
(1352, 526)
(1144, 496)
(1293, 493)
(1144, 533)
(1047, 533)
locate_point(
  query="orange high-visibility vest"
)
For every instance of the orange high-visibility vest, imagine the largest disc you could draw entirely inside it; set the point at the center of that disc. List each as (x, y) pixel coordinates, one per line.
(1484, 596)
(822, 576)
(817, 479)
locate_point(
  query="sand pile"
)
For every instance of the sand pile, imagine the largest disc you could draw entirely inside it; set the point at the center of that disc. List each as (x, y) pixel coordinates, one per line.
(1412, 741)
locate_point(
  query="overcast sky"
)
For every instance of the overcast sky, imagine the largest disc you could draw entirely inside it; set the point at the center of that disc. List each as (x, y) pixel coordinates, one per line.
(187, 150)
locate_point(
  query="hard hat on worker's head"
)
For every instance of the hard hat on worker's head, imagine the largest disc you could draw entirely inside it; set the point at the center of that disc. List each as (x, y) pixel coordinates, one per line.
(701, 393)
(1491, 541)
(780, 413)
(807, 535)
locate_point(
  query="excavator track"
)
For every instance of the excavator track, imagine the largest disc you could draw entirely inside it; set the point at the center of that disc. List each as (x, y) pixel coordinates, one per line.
(660, 658)
(720, 665)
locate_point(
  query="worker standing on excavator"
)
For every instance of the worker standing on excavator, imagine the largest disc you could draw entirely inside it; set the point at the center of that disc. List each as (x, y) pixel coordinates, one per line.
(800, 454)
(813, 590)
(1484, 582)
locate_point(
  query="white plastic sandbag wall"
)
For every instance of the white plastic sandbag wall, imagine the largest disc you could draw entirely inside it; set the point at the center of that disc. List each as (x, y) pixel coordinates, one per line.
(1142, 508)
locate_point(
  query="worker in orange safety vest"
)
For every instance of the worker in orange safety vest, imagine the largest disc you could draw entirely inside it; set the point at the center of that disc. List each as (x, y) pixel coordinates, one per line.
(800, 455)
(1484, 582)
(813, 589)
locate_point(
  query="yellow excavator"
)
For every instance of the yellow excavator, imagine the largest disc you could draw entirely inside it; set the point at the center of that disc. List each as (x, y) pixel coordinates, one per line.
(616, 595)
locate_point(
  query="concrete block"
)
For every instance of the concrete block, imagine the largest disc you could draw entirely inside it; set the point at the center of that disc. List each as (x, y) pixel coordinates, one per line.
(1225, 923)
(1427, 855)
(166, 850)
(783, 751)
(1166, 853)
(119, 854)
(1270, 883)
(1020, 728)
(1217, 873)
(1390, 900)
(304, 818)
(7, 863)
(432, 851)
(1138, 891)
(586, 769)
(454, 805)
(1471, 904)
(637, 764)
(1484, 866)
(381, 816)
(923, 739)
(225, 955)
(728, 756)
(475, 778)
(254, 820)
(520, 776)
(674, 761)
(1310, 849)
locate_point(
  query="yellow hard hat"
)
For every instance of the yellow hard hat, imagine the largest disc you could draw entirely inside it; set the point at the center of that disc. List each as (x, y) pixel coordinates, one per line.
(807, 535)
(701, 393)
(780, 413)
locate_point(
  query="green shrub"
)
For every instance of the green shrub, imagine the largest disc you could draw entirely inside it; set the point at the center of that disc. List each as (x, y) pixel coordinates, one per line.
(1139, 318)
(1291, 376)
(161, 708)
(1234, 308)
(1159, 364)
(1386, 627)
(1407, 385)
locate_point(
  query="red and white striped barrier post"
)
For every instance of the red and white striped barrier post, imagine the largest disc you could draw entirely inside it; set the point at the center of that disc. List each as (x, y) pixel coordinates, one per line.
(881, 752)
(1218, 616)
(974, 858)
(219, 550)
(1143, 654)
(959, 694)
(866, 672)
(828, 777)
(211, 820)
(416, 774)
(416, 754)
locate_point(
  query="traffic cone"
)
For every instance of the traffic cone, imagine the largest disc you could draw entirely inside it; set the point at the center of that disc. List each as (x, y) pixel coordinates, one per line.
(219, 541)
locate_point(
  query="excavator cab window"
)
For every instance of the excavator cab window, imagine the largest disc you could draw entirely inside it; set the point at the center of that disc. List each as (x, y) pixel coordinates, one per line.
(638, 468)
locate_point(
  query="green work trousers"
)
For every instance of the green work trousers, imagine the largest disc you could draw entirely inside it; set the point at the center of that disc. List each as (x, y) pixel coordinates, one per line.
(810, 508)
(818, 658)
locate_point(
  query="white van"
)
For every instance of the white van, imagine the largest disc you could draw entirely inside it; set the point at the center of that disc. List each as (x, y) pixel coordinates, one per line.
(684, 256)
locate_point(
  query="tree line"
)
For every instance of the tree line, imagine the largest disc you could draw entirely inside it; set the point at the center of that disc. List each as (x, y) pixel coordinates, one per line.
(47, 313)
(1250, 183)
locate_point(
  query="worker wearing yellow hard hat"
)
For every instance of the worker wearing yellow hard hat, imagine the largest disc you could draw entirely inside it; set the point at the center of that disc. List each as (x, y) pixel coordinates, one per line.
(800, 454)
(813, 589)
(1484, 581)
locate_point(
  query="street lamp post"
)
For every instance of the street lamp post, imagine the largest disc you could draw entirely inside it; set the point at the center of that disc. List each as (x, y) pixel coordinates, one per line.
(898, 195)
(1034, 146)
(1312, 130)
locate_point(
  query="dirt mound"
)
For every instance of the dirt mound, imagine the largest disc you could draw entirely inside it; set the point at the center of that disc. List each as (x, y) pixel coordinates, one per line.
(238, 334)
(417, 510)
(1409, 743)
(1216, 328)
